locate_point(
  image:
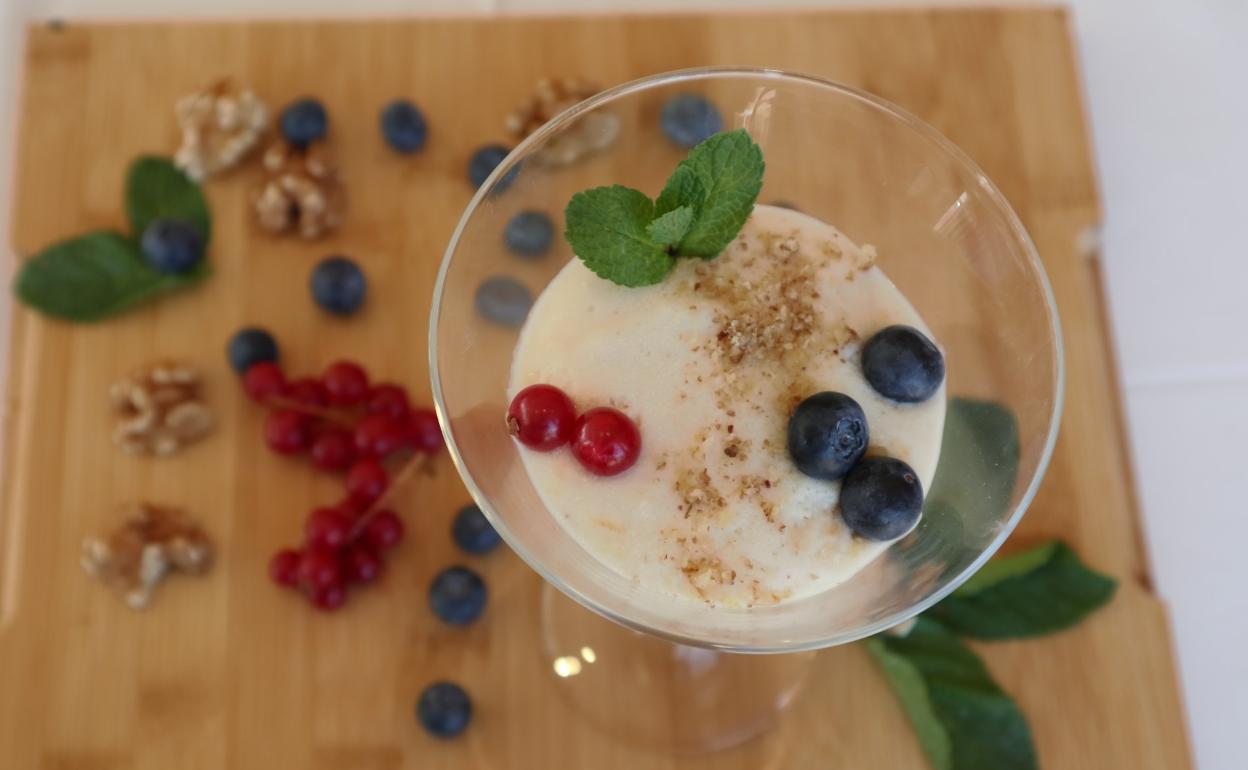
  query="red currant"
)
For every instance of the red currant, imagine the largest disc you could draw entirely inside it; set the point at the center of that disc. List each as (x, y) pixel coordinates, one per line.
(361, 564)
(263, 381)
(351, 507)
(367, 480)
(423, 431)
(387, 399)
(284, 567)
(346, 382)
(377, 435)
(327, 528)
(333, 450)
(308, 391)
(384, 530)
(330, 597)
(541, 417)
(287, 431)
(605, 441)
(318, 569)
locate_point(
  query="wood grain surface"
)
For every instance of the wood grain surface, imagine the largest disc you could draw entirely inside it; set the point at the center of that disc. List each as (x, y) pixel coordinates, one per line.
(228, 672)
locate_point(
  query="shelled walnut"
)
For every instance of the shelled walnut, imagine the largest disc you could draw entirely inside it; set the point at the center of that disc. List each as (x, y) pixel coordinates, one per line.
(160, 409)
(595, 131)
(302, 192)
(152, 542)
(220, 125)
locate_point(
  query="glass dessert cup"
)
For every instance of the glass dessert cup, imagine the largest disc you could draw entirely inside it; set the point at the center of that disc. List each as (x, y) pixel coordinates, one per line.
(666, 671)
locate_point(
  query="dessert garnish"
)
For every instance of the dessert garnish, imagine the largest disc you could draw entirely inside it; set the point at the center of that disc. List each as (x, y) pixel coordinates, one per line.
(105, 272)
(603, 440)
(338, 285)
(403, 126)
(457, 596)
(827, 435)
(345, 423)
(529, 234)
(625, 237)
(153, 541)
(472, 532)
(444, 709)
(220, 125)
(687, 119)
(901, 363)
(160, 409)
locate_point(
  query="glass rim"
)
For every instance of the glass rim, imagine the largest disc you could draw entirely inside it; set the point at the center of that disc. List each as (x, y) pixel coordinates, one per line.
(921, 127)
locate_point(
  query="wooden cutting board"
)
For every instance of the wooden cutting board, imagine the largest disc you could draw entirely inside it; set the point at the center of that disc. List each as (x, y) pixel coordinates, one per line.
(228, 672)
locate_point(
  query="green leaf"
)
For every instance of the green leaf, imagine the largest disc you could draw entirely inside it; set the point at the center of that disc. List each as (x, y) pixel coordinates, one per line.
(728, 168)
(93, 276)
(907, 682)
(669, 228)
(981, 442)
(964, 721)
(607, 228)
(682, 189)
(1036, 592)
(157, 189)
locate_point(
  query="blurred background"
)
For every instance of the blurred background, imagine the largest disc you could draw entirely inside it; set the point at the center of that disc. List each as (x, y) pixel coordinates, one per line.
(1167, 107)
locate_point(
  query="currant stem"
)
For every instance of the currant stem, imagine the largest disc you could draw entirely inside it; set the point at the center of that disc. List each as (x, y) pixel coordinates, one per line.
(415, 463)
(325, 414)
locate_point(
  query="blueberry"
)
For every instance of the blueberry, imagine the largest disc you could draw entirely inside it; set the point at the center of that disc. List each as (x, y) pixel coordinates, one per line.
(484, 161)
(503, 300)
(172, 246)
(338, 285)
(472, 531)
(457, 596)
(444, 709)
(881, 498)
(689, 119)
(304, 122)
(250, 346)
(827, 435)
(529, 233)
(902, 364)
(403, 126)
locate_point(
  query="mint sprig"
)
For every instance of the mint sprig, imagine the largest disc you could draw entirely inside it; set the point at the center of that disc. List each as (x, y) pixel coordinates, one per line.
(103, 273)
(1040, 591)
(626, 238)
(963, 719)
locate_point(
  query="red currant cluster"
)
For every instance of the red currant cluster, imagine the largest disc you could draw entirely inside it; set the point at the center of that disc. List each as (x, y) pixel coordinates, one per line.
(603, 440)
(343, 423)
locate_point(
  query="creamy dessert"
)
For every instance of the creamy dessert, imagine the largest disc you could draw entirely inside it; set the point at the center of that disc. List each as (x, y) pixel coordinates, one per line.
(720, 367)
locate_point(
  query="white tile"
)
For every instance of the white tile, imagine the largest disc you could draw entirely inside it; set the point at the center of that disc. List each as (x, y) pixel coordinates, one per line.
(1192, 471)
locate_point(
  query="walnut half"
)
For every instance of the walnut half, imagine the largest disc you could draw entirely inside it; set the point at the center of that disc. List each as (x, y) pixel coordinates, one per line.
(159, 409)
(302, 193)
(153, 542)
(220, 125)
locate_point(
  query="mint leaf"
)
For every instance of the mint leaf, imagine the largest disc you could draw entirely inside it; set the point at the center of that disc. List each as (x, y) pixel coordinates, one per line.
(157, 189)
(907, 682)
(669, 228)
(963, 719)
(1032, 593)
(682, 189)
(607, 229)
(721, 179)
(93, 276)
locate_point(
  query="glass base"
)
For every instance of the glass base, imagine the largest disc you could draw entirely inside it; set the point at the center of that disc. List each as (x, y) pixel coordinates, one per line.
(665, 696)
